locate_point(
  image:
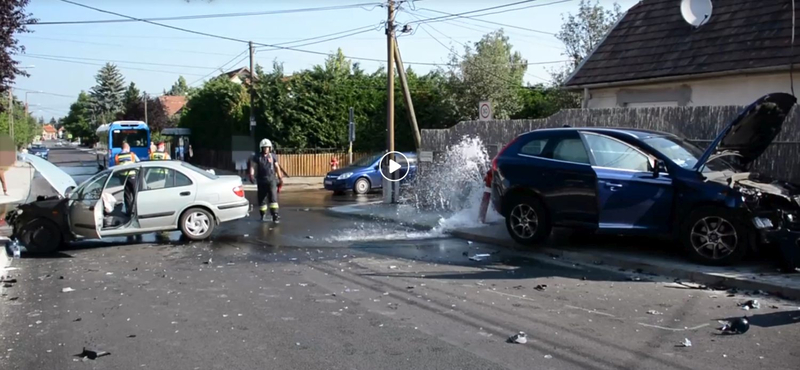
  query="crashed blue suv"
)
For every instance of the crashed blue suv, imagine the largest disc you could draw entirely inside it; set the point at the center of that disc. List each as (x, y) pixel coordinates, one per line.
(631, 181)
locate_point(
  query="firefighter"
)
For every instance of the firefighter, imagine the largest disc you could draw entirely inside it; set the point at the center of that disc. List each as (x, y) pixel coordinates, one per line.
(126, 156)
(160, 154)
(266, 173)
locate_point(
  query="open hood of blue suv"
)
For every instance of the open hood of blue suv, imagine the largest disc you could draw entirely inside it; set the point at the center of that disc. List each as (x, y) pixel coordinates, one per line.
(752, 131)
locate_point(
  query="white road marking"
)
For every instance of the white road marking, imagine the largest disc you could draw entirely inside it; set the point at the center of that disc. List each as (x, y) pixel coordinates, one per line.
(674, 329)
(590, 311)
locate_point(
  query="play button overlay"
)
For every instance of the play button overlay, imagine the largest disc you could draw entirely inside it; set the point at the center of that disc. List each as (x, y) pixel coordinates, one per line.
(394, 170)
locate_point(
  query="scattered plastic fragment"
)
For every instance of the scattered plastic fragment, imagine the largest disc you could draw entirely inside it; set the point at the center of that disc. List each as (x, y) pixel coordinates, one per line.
(67, 290)
(8, 280)
(309, 237)
(480, 256)
(548, 357)
(540, 287)
(736, 326)
(392, 267)
(519, 338)
(752, 304)
(654, 312)
(92, 355)
(686, 343)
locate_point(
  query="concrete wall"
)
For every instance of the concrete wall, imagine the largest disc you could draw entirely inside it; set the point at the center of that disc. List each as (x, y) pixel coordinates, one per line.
(734, 90)
(699, 124)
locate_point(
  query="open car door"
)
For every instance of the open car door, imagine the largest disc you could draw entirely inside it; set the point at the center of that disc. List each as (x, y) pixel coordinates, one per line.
(86, 208)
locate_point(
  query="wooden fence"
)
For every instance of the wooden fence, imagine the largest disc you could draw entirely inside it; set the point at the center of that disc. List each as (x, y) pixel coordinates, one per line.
(296, 165)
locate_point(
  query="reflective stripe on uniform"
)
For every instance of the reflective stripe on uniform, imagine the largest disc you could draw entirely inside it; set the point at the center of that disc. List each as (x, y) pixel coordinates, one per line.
(273, 205)
(262, 208)
(158, 156)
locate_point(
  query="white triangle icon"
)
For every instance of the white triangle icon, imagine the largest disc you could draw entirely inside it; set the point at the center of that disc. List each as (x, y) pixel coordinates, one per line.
(393, 166)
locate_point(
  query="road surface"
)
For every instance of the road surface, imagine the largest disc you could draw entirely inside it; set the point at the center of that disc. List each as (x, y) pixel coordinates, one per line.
(321, 292)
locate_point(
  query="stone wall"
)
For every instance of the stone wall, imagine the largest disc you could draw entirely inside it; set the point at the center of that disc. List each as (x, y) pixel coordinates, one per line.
(698, 124)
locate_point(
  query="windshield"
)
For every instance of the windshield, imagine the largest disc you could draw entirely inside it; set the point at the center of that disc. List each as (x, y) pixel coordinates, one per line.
(684, 153)
(366, 161)
(136, 138)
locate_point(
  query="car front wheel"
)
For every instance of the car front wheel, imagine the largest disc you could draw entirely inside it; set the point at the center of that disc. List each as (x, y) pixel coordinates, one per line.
(361, 186)
(40, 236)
(714, 236)
(197, 224)
(527, 220)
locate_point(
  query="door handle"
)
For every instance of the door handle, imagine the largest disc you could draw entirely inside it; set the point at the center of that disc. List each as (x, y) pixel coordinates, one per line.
(613, 186)
(186, 193)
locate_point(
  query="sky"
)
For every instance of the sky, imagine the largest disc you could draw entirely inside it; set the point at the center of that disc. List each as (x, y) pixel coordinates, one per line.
(153, 57)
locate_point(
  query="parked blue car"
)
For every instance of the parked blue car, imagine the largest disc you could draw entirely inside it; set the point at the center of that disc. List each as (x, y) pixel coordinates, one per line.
(364, 174)
(40, 151)
(631, 181)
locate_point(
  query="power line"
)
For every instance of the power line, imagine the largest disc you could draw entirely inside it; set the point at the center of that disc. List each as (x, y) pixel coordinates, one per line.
(490, 22)
(116, 61)
(220, 67)
(45, 92)
(262, 44)
(461, 15)
(325, 40)
(101, 65)
(126, 46)
(207, 16)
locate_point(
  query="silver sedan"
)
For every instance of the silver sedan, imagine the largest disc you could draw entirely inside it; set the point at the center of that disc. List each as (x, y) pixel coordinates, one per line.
(127, 200)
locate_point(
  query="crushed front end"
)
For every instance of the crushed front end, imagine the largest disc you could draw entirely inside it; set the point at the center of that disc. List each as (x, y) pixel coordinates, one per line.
(775, 210)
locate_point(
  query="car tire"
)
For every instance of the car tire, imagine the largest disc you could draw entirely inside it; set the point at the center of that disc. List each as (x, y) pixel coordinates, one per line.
(197, 223)
(40, 236)
(362, 186)
(715, 236)
(527, 220)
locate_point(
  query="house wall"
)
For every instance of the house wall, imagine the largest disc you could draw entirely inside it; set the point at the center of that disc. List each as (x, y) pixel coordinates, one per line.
(698, 124)
(731, 90)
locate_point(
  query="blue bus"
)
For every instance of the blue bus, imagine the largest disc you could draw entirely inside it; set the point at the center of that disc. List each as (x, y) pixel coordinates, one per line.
(112, 135)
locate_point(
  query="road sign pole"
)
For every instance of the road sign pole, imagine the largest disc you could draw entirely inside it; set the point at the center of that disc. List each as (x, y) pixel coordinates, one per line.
(351, 136)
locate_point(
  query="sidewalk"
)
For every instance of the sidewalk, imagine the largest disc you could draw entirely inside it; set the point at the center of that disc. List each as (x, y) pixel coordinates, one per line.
(18, 179)
(640, 255)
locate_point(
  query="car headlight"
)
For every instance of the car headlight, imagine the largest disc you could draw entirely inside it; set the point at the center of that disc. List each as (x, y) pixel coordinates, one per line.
(344, 176)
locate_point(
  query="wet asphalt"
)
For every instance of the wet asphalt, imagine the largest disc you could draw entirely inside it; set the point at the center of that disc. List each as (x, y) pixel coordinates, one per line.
(324, 292)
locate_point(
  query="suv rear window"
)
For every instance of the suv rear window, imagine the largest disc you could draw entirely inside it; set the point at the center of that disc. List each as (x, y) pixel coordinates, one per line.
(534, 147)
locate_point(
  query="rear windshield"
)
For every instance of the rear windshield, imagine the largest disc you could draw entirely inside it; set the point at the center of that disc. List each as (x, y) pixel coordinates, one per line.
(200, 171)
(135, 138)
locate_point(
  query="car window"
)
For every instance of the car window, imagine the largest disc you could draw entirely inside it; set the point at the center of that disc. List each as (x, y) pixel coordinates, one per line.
(612, 153)
(93, 189)
(571, 150)
(534, 147)
(199, 170)
(181, 179)
(163, 178)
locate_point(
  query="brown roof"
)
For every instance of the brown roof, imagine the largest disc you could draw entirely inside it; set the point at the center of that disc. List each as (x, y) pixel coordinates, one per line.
(653, 40)
(241, 71)
(172, 104)
(49, 129)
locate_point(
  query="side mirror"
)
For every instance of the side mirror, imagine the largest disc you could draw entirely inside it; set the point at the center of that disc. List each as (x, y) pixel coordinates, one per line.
(377, 166)
(658, 167)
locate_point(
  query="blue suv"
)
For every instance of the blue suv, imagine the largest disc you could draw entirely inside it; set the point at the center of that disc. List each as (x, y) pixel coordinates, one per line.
(364, 174)
(632, 181)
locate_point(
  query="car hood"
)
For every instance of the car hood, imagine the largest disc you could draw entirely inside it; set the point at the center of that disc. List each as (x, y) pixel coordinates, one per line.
(752, 131)
(57, 178)
(340, 171)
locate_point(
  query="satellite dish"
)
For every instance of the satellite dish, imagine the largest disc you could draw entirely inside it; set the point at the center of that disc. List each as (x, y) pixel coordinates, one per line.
(696, 12)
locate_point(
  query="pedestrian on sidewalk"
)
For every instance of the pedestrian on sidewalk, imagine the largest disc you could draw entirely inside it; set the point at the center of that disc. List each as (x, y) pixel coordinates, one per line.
(8, 156)
(266, 173)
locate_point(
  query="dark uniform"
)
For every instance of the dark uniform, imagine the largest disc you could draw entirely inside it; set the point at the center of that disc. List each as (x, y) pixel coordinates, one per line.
(267, 183)
(130, 180)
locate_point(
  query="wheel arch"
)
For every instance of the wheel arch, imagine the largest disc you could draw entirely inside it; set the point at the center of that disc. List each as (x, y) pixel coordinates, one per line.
(517, 192)
(193, 206)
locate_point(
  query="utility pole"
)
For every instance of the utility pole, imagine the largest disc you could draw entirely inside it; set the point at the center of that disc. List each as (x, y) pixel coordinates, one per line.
(252, 96)
(144, 97)
(351, 136)
(390, 98)
(401, 71)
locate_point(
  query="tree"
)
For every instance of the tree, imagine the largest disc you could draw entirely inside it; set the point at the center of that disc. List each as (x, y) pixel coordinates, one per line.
(582, 32)
(489, 72)
(79, 121)
(107, 95)
(131, 101)
(41, 121)
(24, 124)
(215, 112)
(13, 20)
(53, 122)
(179, 88)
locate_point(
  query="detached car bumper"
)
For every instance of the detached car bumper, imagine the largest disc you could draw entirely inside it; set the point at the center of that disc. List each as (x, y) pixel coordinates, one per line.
(782, 231)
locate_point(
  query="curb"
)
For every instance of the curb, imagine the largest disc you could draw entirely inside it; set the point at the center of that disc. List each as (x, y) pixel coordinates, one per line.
(709, 279)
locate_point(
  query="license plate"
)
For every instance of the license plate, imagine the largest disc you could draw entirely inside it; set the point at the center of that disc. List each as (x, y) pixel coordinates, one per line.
(328, 182)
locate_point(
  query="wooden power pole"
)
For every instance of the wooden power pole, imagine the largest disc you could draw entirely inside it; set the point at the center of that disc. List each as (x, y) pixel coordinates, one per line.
(401, 71)
(390, 97)
(252, 97)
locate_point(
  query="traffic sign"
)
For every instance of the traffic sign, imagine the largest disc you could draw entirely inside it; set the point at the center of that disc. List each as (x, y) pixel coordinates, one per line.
(485, 111)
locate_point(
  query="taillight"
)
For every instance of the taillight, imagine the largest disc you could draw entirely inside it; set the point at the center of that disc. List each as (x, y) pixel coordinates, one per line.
(494, 161)
(239, 191)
